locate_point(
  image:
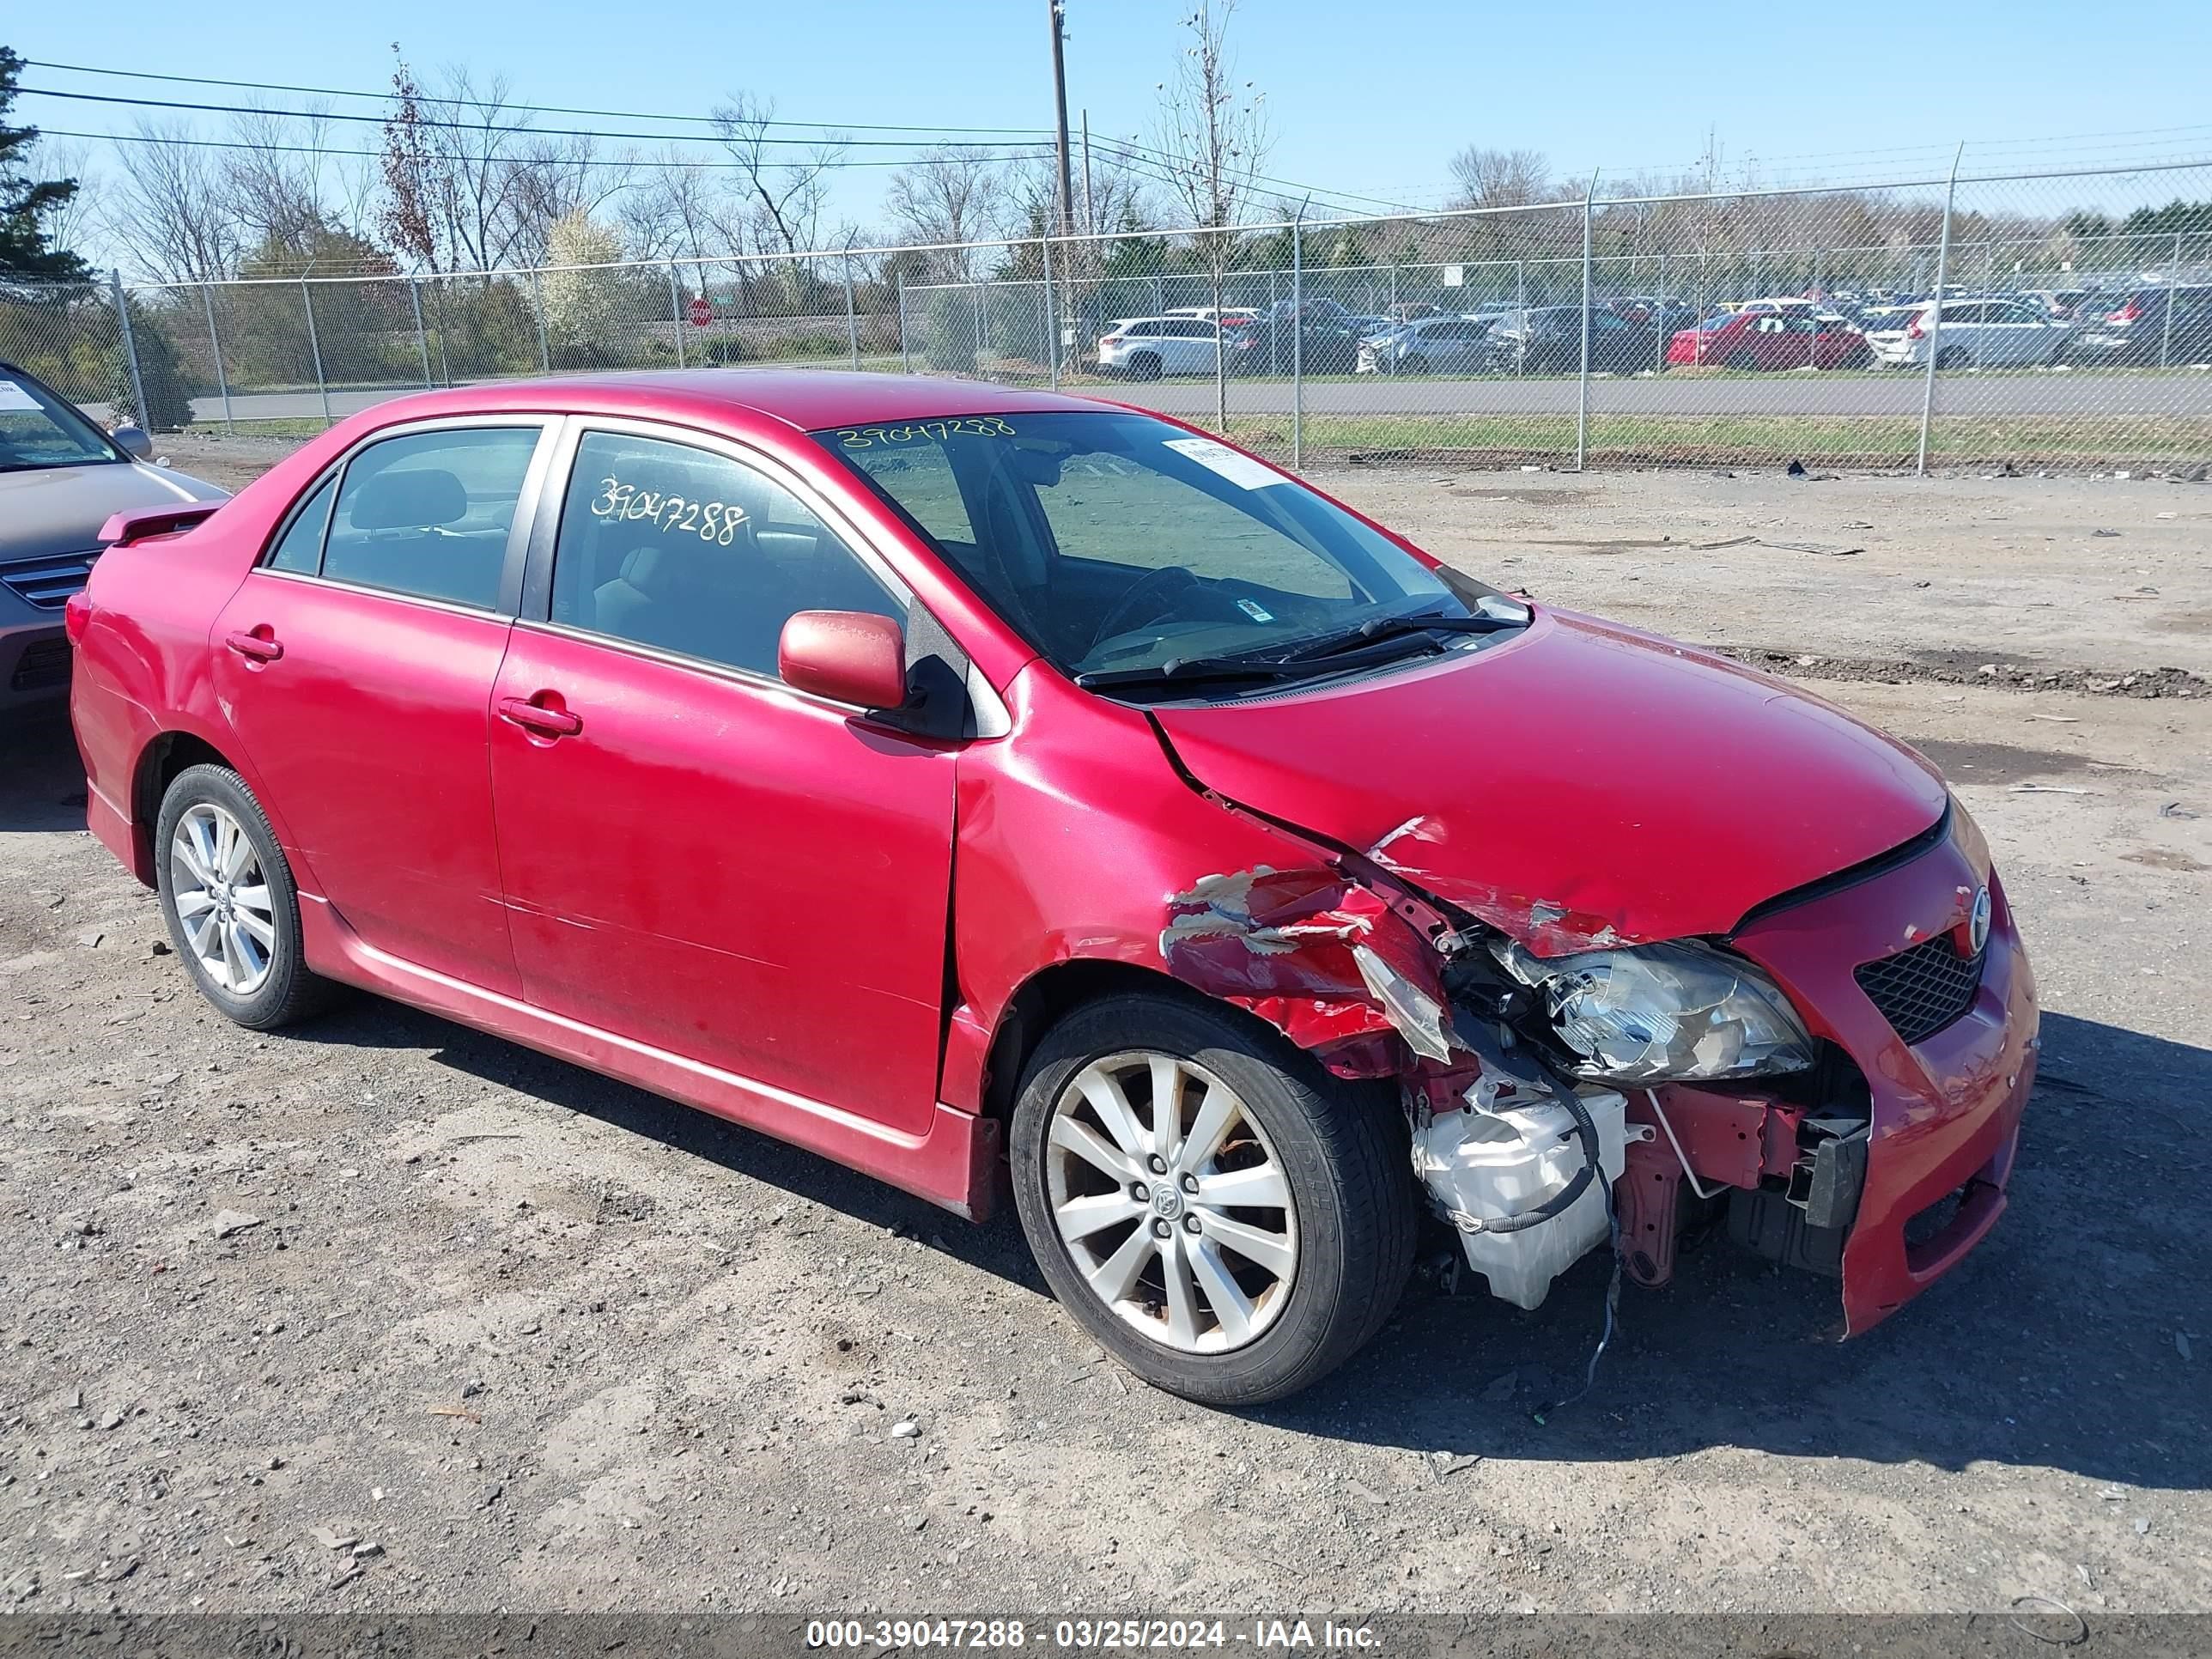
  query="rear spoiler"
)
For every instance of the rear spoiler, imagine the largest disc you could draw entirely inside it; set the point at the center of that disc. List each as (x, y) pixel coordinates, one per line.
(149, 522)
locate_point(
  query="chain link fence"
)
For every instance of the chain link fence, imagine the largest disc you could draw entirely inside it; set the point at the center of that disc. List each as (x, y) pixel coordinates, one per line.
(2058, 321)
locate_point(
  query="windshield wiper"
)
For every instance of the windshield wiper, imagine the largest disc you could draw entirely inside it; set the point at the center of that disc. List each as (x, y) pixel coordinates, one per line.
(1187, 671)
(1374, 628)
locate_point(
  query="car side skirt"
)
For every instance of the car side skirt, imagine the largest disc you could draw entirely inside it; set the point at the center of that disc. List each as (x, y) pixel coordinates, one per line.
(953, 1164)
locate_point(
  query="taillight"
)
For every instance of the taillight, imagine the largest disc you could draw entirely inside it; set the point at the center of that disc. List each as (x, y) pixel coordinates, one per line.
(1109, 339)
(77, 616)
(1913, 329)
(2126, 314)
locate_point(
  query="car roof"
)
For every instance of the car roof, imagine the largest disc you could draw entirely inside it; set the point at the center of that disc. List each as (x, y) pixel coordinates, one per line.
(805, 399)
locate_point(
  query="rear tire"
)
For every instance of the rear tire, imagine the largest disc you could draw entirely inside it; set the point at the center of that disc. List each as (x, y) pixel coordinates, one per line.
(1144, 366)
(228, 898)
(1306, 1172)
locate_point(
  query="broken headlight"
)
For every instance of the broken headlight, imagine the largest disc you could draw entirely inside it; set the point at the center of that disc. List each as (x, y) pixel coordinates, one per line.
(1663, 1013)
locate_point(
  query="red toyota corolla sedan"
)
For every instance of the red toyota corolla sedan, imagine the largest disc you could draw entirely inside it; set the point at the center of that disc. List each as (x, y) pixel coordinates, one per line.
(987, 788)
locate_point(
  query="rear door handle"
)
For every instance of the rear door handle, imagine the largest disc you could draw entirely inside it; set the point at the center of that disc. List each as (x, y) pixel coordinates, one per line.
(259, 647)
(534, 717)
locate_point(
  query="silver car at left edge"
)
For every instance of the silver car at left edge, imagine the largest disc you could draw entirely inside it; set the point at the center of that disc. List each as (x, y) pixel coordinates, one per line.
(60, 478)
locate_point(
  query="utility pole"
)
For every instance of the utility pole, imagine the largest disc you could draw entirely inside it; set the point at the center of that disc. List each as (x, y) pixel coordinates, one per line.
(1058, 11)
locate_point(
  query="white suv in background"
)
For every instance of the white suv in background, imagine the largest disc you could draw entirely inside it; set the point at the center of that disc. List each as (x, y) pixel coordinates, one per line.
(1145, 348)
(1975, 334)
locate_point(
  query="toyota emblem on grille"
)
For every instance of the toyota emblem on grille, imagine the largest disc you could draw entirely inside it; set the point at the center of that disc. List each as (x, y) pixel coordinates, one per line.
(1978, 925)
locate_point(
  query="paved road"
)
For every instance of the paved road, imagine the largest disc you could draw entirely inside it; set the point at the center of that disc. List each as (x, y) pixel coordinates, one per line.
(2084, 395)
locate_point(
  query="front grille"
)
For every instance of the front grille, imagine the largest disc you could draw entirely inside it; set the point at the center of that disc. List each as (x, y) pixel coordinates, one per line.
(44, 663)
(1923, 989)
(47, 583)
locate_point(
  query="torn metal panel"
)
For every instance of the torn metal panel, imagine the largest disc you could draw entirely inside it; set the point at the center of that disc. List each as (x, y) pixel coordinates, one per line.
(1315, 954)
(1420, 850)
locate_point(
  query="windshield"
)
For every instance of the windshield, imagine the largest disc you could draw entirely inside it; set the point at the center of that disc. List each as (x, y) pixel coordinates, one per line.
(37, 428)
(1114, 542)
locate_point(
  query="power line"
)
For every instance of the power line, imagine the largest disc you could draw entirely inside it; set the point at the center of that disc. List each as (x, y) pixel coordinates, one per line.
(535, 109)
(1342, 199)
(585, 162)
(510, 128)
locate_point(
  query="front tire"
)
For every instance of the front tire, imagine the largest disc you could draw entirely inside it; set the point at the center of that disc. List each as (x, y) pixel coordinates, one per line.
(228, 898)
(1275, 1228)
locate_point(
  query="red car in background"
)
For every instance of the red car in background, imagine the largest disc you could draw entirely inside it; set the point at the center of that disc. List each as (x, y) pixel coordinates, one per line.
(988, 788)
(1790, 338)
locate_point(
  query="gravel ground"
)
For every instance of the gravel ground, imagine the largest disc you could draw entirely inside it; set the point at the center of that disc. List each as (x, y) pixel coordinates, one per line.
(384, 1316)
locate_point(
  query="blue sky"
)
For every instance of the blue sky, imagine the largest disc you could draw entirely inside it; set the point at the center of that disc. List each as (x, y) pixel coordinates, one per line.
(1366, 100)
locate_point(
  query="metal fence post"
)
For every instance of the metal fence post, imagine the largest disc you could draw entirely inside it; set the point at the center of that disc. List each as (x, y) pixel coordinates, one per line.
(1274, 327)
(1582, 391)
(315, 349)
(130, 349)
(1297, 341)
(1935, 314)
(852, 323)
(421, 334)
(2173, 287)
(906, 359)
(1521, 304)
(1396, 321)
(1659, 318)
(215, 350)
(976, 304)
(544, 338)
(676, 313)
(1051, 325)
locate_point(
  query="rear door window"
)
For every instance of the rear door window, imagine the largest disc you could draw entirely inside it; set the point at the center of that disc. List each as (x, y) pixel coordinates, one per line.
(301, 547)
(429, 514)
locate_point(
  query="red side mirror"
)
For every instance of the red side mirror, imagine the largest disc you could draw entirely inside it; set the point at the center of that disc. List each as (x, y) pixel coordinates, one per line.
(847, 656)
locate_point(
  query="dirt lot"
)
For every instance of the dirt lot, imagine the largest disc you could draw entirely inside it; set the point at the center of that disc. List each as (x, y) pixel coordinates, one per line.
(537, 1340)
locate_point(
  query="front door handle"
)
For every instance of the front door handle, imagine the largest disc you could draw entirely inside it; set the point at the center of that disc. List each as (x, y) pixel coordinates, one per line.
(259, 646)
(535, 717)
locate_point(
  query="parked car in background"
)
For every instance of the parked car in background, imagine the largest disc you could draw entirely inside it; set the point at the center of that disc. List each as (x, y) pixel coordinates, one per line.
(1798, 338)
(1324, 336)
(1441, 343)
(1208, 313)
(1884, 326)
(1145, 348)
(2067, 304)
(1976, 333)
(2138, 331)
(61, 479)
(987, 788)
(1547, 340)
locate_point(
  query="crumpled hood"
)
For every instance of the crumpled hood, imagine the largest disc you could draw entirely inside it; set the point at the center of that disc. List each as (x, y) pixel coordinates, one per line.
(1578, 785)
(60, 509)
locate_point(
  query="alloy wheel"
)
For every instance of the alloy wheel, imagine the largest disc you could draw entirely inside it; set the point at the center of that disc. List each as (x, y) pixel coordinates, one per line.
(1171, 1201)
(223, 904)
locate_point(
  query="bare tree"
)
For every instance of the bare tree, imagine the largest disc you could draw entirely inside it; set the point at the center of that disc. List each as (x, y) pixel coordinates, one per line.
(787, 196)
(169, 208)
(958, 193)
(1500, 178)
(274, 193)
(1213, 140)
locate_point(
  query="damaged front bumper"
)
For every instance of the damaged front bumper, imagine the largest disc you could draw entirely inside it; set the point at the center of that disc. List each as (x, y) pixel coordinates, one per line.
(1942, 1112)
(1884, 1165)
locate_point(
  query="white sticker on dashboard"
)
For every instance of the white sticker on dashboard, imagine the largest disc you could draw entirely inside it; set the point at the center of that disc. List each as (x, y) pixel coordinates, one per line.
(14, 396)
(1240, 470)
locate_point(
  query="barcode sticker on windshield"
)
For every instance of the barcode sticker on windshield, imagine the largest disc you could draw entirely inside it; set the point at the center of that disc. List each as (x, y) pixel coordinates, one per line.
(14, 396)
(1240, 470)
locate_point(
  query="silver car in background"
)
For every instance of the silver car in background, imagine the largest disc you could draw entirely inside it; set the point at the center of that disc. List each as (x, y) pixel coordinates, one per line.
(60, 478)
